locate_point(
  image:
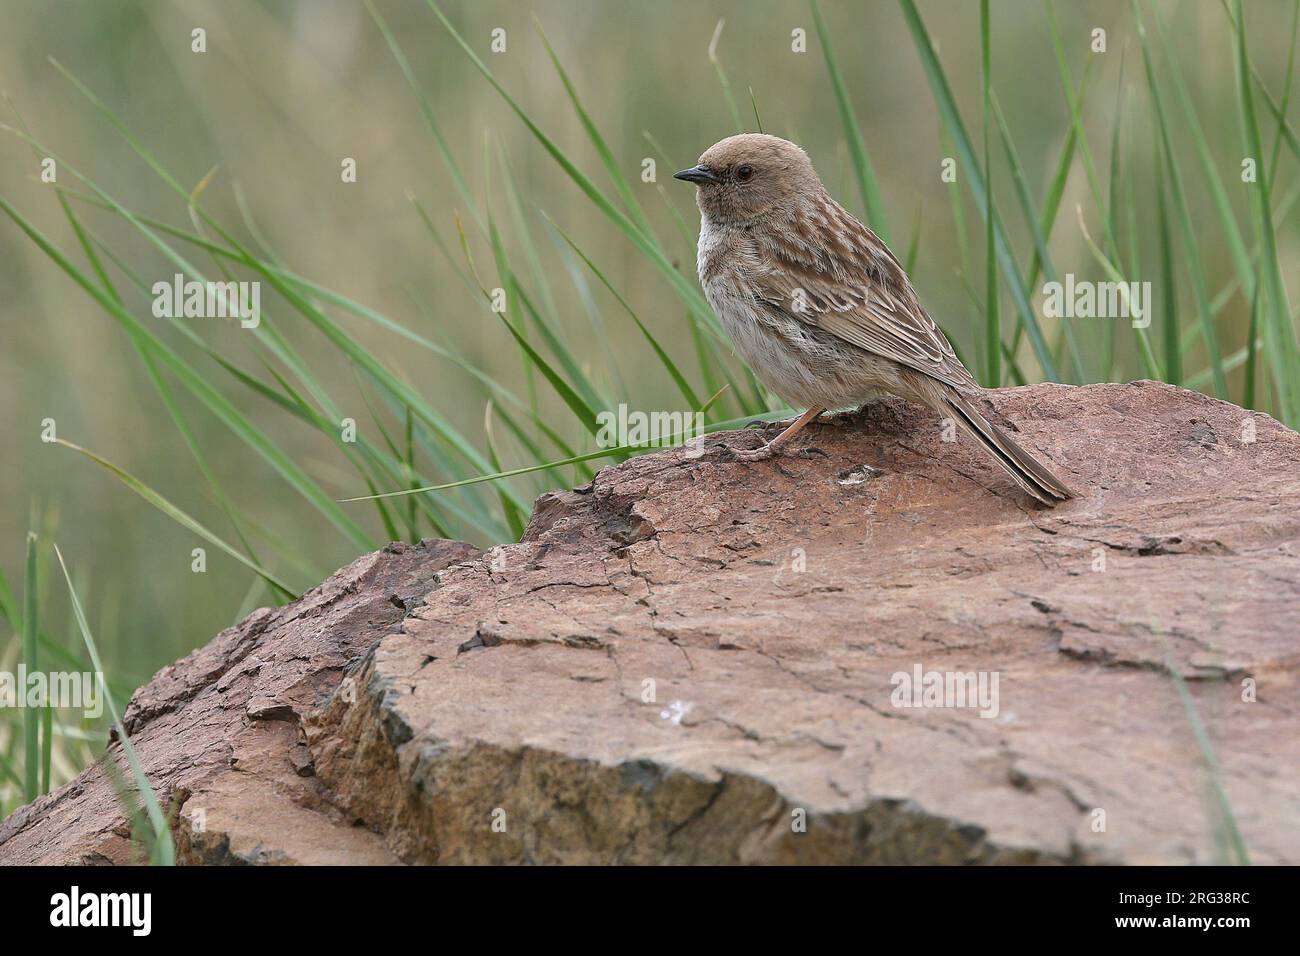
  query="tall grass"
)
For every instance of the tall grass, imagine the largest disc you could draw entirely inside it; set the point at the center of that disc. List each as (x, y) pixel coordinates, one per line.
(412, 472)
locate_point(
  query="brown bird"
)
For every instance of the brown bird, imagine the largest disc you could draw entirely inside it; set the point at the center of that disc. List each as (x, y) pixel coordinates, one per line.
(819, 307)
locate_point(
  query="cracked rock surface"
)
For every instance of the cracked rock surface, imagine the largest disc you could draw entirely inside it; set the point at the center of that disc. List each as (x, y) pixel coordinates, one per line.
(697, 660)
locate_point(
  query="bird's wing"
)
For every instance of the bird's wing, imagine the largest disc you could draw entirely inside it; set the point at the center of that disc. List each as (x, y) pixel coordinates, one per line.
(831, 271)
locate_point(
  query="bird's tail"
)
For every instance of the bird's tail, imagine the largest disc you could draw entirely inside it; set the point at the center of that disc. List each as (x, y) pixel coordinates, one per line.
(1028, 472)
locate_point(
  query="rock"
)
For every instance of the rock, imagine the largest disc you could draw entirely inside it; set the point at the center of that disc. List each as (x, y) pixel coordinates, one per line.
(699, 660)
(220, 734)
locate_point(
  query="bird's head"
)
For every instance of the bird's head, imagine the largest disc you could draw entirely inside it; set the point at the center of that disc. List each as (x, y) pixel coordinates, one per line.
(751, 176)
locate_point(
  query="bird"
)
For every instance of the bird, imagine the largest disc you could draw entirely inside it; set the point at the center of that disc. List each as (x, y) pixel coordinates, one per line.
(819, 307)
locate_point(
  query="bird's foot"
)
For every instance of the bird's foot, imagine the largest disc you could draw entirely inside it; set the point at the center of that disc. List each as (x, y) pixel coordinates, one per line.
(777, 444)
(762, 453)
(772, 449)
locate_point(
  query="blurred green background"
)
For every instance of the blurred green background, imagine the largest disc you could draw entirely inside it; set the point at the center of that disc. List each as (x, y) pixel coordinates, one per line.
(287, 89)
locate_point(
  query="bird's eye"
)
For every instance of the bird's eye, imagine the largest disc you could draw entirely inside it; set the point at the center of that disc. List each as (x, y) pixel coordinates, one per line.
(744, 173)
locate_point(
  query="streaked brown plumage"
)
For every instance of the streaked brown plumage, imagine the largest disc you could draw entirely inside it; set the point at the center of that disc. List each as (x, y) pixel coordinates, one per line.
(819, 307)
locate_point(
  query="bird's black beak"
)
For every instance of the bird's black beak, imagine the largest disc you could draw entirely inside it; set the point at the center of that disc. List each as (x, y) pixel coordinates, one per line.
(698, 174)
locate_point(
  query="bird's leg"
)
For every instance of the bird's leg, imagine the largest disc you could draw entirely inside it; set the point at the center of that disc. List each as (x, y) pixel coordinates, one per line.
(775, 446)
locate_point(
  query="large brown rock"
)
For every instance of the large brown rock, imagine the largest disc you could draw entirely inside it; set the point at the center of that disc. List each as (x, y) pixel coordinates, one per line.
(695, 660)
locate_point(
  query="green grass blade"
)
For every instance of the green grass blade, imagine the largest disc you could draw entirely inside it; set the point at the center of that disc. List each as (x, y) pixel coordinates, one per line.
(1056, 188)
(992, 321)
(1250, 376)
(214, 400)
(580, 380)
(864, 174)
(374, 370)
(722, 78)
(517, 517)
(581, 408)
(1228, 230)
(913, 245)
(176, 514)
(682, 385)
(1168, 286)
(444, 150)
(686, 232)
(1280, 330)
(1182, 209)
(1076, 118)
(645, 244)
(164, 391)
(525, 236)
(12, 613)
(966, 156)
(1151, 368)
(1286, 92)
(607, 159)
(163, 846)
(620, 452)
(1113, 205)
(31, 715)
(1222, 805)
(1042, 259)
(317, 291)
